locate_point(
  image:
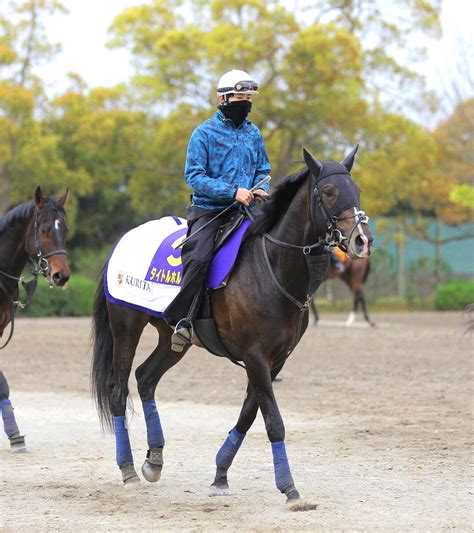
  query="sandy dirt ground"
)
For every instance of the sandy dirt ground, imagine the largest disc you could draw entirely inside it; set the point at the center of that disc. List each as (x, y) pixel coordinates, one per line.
(378, 424)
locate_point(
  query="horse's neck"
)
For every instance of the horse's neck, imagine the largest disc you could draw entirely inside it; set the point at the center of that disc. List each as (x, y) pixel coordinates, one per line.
(294, 227)
(13, 255)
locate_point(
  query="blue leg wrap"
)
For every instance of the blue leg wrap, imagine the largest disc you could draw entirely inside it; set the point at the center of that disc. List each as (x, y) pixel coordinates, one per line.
(283, 476)
(154, 431)
(123, 450)
(9, 422)
(227, 452)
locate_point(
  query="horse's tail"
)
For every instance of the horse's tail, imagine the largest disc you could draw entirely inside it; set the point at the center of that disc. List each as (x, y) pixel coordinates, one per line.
(367, 272)
(101, 370)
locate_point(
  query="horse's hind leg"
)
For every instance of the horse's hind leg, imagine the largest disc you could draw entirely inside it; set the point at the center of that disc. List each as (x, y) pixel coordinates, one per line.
(148, 375)
(17, 441)
(127, 328)
(227, 452)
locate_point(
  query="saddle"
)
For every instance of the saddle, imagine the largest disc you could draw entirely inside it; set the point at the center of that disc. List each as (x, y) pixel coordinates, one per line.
(204, 325)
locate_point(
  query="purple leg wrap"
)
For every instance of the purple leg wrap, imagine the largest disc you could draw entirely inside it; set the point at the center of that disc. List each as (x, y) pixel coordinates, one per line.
(283, 476)
(9, 423)
(227, 452)
(154, 432)
(123, 450)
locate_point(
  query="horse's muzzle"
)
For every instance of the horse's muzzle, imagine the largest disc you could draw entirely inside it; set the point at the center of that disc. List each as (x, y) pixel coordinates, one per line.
(362, 245)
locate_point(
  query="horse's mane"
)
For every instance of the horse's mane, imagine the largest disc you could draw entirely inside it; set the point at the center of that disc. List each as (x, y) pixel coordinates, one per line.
(279, 202)
(24, 211)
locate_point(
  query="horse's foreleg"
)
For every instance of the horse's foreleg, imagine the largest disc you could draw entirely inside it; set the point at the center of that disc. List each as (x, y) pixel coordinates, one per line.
(231, 446)
(259, 375)
(148, 375)
(229, 449)
(364, 310)
(17, 441)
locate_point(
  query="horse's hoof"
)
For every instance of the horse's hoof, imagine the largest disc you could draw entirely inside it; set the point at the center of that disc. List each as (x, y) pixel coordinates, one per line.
(219, 490)
(21, 448)
(292, 495)
(151, 472)
(132, 484)
(302, 505)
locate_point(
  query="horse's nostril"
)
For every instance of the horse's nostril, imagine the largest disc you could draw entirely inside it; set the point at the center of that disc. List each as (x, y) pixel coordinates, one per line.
(59, 278)
(359, 241)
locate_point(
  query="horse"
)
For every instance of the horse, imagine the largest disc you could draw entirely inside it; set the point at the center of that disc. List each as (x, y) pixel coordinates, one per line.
(32, 232)
(355, 274)
(280, 264)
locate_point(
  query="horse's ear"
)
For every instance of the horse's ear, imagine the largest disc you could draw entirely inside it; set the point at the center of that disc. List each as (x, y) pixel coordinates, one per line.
(313, 164)
(348, 161)
(39, 198)
(62, 200)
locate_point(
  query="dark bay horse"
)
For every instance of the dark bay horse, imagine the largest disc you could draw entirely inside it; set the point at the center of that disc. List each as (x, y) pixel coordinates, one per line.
(32, 232)
(260, 315)
(355, 274)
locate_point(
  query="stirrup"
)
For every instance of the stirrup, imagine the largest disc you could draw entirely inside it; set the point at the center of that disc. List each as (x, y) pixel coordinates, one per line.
(183, 333)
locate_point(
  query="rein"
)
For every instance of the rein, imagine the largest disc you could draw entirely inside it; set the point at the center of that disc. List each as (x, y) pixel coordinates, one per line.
(317, 265)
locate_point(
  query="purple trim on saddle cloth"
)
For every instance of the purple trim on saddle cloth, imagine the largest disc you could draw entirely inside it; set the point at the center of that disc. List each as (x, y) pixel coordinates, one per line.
(225, 257)
(166, 267)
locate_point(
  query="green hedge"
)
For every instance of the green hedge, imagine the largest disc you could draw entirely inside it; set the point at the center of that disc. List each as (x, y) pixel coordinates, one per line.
(454, 295)
(76, 300)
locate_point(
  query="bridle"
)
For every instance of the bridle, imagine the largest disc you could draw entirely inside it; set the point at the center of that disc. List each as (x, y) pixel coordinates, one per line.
(317, 263)
(39, 265)
(39, 262)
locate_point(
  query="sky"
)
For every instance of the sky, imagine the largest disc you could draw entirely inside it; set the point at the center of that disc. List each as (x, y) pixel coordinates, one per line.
(83, 36)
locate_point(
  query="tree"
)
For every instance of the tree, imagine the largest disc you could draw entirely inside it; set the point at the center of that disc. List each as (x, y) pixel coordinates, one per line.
(28, 154)
(387, 32)
(132, 161)
(311, 76)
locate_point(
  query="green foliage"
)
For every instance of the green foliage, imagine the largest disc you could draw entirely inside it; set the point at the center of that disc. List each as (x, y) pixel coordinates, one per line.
(424, 275)
(76, 300)
(455, 295)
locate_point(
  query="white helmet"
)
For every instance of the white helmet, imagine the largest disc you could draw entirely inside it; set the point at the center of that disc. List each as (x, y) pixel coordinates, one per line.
(237, 81)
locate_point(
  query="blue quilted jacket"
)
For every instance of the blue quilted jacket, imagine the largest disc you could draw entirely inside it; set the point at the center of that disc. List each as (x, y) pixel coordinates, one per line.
(221, 158)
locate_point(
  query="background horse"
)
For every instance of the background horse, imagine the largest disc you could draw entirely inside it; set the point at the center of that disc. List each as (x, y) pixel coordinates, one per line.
(260, 316)
(34, 232)
(355, 274)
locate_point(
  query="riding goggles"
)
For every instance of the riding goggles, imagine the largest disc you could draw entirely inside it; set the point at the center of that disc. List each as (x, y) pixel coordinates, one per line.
(240, 87)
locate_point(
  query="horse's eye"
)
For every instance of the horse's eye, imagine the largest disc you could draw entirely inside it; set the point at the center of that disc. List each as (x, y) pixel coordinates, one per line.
(43, 231)
(329, 194)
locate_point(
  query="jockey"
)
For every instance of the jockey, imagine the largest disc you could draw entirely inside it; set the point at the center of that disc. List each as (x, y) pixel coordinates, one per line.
(226, 157)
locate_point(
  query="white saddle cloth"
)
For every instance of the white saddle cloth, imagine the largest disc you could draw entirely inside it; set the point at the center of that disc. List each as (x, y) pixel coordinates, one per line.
(145, 268)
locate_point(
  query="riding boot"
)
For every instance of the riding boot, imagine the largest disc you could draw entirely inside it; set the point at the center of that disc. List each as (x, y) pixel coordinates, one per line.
(183, 332)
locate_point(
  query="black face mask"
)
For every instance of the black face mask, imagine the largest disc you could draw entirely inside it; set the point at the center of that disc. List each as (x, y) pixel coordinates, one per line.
(237, 111)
